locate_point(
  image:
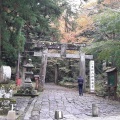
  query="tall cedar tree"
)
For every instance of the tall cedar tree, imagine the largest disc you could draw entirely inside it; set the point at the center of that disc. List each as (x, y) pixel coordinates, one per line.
(21, 19)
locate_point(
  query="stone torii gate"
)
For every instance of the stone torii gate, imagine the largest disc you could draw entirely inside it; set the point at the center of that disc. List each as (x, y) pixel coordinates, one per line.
(44, 53)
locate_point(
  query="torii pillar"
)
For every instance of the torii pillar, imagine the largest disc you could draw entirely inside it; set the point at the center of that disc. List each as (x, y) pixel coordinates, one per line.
(43, 71)
(82, 69)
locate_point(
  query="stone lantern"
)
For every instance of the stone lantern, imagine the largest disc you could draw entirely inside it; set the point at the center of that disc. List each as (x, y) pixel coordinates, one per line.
(27, 88)
(28, 74)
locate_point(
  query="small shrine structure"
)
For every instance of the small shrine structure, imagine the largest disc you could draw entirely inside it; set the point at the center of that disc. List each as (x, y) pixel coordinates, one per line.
(112, 81)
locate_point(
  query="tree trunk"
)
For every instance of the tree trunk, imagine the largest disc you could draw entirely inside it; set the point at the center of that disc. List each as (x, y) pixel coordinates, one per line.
(0, 28)
(23, 70)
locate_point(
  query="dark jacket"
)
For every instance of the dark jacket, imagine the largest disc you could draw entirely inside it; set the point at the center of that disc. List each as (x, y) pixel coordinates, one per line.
(80, 80)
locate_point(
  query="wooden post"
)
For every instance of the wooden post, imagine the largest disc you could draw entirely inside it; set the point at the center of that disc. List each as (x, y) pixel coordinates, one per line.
(40, 83)
(56, 74)
(18, 67)
(23, 71)
(36, 77)
(43, 71)
(82, 69)
(0, 74)
(1, 29)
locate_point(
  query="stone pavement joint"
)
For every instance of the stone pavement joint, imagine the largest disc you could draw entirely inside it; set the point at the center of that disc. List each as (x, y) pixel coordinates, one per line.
(29, 111)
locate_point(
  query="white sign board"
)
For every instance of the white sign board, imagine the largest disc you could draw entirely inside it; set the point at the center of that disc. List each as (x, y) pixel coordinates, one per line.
(92, 76)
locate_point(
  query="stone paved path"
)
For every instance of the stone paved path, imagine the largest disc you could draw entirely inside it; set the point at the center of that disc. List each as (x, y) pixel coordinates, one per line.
(73, 106)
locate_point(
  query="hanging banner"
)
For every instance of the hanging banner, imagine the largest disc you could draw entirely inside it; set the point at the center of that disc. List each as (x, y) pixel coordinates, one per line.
(92, 76)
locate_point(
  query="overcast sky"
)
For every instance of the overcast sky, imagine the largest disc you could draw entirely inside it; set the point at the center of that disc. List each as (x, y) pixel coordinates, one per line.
(76, 3)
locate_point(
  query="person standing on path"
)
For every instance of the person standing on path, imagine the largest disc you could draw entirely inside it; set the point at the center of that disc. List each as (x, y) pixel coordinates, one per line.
(80, 85)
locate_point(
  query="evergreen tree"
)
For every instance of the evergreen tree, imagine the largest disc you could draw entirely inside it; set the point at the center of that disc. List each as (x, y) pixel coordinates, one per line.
(24, 20)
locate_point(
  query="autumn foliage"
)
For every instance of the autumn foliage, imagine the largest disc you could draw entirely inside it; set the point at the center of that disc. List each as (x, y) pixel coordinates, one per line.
(83, 22)
(110, 1)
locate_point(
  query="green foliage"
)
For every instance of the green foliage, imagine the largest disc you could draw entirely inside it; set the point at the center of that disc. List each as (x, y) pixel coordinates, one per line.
(99, 1)
(106, 44)
(101, 88)
(65, 70)
(108, 25)
(106, 51)
(21, 18)
(118, 90)
(68, 79)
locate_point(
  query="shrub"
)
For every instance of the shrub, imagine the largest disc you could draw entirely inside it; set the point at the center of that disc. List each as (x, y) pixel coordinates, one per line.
(118, 90)
(68, 79)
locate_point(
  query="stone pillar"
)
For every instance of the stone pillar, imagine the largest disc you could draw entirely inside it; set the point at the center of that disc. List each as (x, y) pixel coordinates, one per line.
(94, 110)
(58, 115)
(63, 50)
(43, 71)
(92, 76)
(82, 69)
